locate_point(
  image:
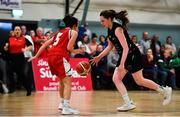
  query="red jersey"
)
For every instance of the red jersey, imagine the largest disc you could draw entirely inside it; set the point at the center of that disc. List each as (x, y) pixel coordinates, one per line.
(37, 46)
(59, 46)
(16, 44)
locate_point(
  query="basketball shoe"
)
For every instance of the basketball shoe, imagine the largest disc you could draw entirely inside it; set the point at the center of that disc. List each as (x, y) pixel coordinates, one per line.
(167, 95)
(60, 107)
(67, 110)
(127, 106)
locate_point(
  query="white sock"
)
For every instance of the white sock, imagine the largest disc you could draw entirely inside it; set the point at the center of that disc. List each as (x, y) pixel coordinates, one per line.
(160, 89)
(126, 98)
(66, 103)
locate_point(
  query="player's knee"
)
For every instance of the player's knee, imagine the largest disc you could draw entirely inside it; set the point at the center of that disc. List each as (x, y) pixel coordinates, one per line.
(116, 79)
(139, 82)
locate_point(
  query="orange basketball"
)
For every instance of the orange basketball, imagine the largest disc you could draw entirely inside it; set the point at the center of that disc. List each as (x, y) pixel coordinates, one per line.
(83, 68)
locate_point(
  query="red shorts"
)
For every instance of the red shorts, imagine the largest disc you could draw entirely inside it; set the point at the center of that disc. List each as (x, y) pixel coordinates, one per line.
(59, 66)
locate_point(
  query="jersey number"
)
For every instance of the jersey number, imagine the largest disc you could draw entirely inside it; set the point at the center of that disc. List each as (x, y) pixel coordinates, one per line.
(58, 37)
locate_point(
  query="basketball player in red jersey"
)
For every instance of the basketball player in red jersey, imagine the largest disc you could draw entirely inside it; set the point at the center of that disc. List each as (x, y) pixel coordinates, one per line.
(58, 56)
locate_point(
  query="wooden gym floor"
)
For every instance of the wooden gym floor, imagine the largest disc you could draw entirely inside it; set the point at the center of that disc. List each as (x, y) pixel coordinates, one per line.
(95, 103)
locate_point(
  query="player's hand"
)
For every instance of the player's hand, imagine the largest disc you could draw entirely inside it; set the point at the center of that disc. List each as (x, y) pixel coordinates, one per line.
(79, 51)
(6, 47)
(32, 58)
(95, 60)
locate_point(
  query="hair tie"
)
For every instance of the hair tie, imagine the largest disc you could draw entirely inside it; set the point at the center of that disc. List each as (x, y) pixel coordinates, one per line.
(62, 24)
(119, 21)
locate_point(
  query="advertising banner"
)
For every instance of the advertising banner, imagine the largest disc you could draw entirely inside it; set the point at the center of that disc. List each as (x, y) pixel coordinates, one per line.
(45, 81)
(10, 4)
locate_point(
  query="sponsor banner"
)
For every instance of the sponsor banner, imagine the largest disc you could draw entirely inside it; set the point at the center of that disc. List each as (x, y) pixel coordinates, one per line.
(10, 4)
(45, 81)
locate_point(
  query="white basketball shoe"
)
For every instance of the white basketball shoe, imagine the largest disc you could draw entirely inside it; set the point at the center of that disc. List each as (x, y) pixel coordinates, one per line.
(67, 110)
(127, 106)
(167, 95)
(60, 107)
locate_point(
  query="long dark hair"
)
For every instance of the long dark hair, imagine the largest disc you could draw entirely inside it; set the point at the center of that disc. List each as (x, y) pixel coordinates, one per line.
(70, 21)
(122, 16)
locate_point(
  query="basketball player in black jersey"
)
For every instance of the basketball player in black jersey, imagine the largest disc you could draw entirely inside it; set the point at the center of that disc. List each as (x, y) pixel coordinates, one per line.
(129, 60)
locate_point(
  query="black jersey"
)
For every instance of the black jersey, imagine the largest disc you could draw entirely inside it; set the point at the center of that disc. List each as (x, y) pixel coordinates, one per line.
(133, 60)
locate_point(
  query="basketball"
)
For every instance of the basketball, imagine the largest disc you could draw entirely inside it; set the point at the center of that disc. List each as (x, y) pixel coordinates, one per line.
(83, 68)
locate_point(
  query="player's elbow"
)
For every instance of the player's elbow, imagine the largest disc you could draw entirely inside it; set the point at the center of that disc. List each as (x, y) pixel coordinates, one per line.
(125, 48)
(70, 49)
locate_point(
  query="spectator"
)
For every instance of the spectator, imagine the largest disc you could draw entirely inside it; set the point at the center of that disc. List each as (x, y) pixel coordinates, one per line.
(11, 33)
(112, 60)
(24, 30)
(87, 30)
(81, 31)
(84, 54)
(99, 71)
(164, 67)
(176, 65)
(145, 42)
(135, 41)
(32, 34)
(39, 40)
(170, 44)
(103, 41)
(149, 66)
(3, 74)
(93, 44)
(155, 46)
(16, 46)
(84, 41)
(48, 34)
(28, 54)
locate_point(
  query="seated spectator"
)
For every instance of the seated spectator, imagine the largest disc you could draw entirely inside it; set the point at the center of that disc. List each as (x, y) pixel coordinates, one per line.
(103, 41)
(93, 44)
(84, 54)
(135, 41)
(165, 68)
(170, 43)
(112, 60)
(99, 71)
(84, 41)
(176, 65)
(149, 66)
(155, 46)
(145, 42)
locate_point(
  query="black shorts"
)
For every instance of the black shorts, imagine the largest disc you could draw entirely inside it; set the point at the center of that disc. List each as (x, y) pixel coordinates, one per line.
(133, 61)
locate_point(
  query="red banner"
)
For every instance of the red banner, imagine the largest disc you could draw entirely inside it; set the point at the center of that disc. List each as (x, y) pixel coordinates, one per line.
(45, 81)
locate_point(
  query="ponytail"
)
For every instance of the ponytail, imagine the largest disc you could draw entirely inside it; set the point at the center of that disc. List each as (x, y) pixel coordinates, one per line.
(122, 15)
(119, 16)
